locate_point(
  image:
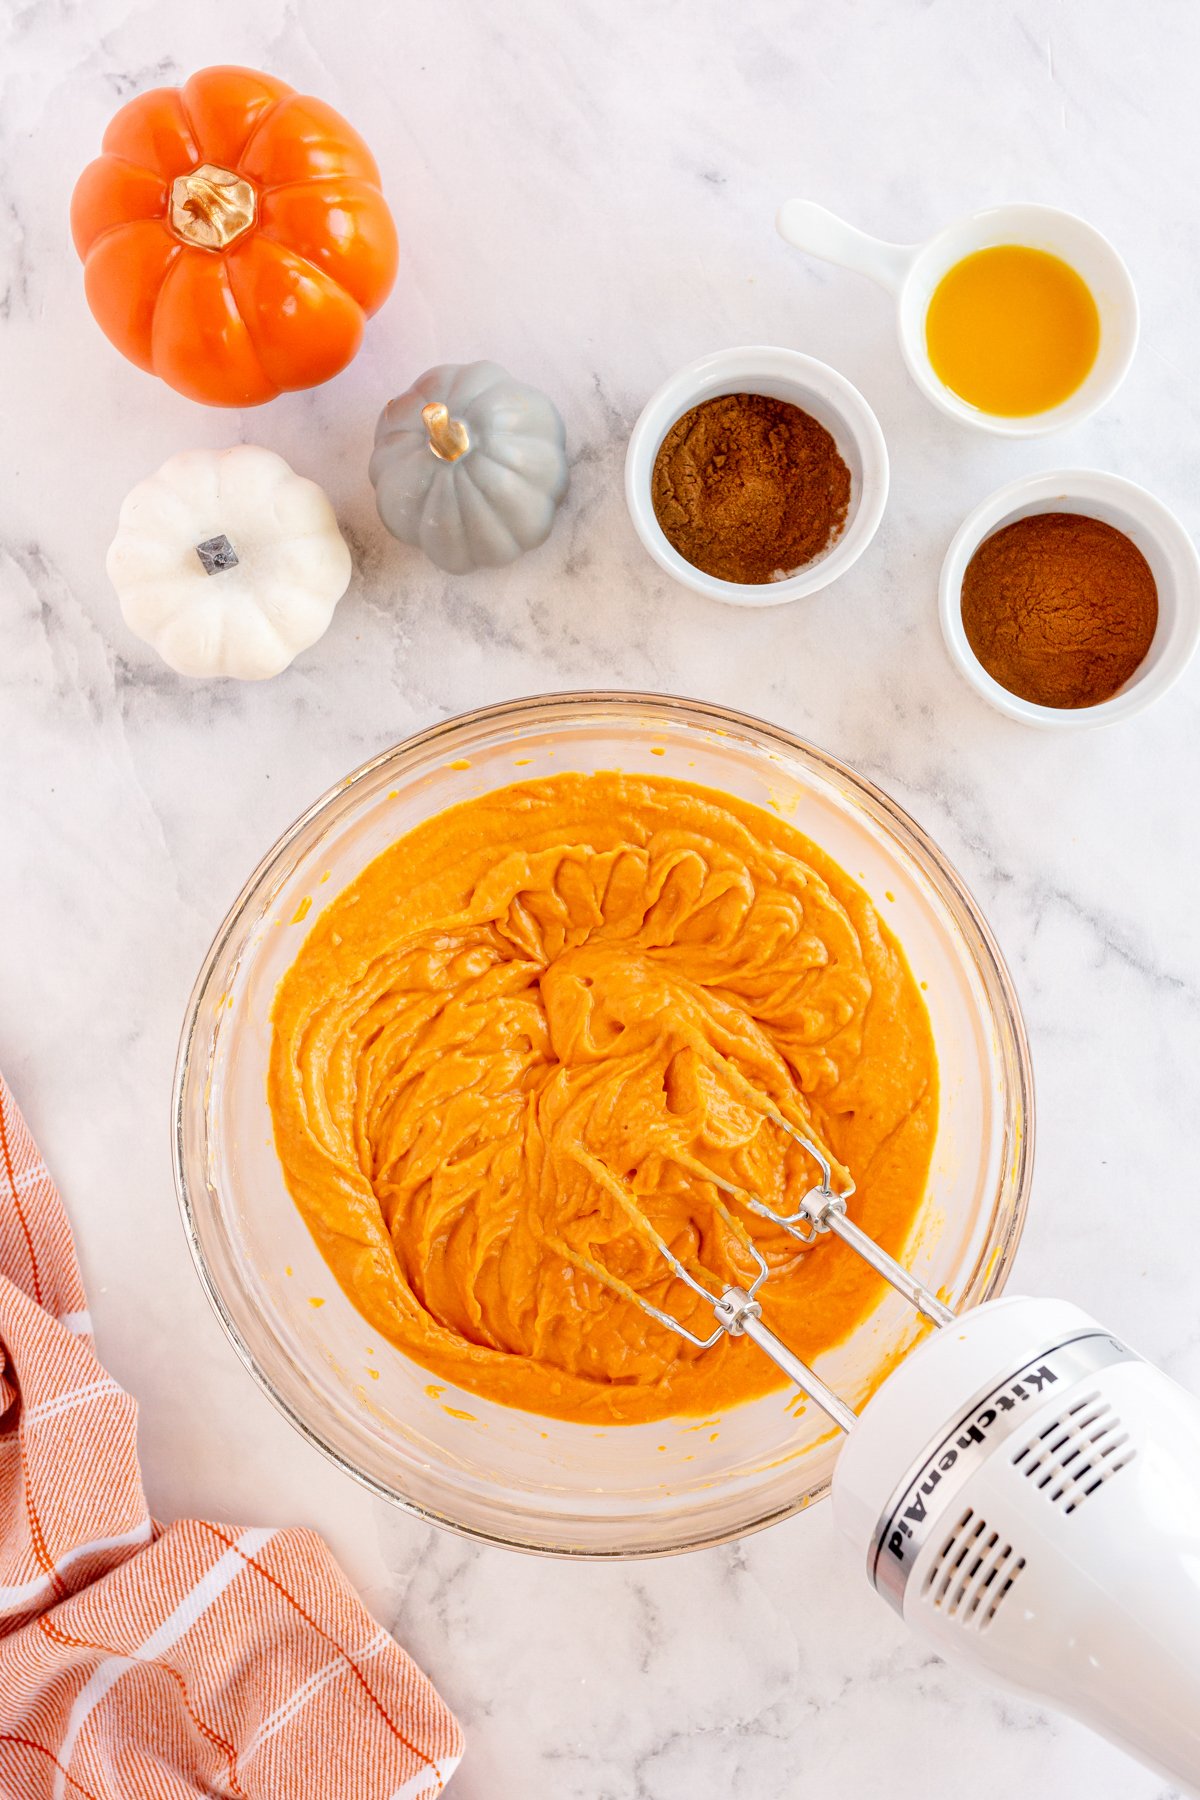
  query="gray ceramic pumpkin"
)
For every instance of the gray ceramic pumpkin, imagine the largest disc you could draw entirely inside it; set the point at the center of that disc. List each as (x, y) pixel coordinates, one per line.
(470, 465)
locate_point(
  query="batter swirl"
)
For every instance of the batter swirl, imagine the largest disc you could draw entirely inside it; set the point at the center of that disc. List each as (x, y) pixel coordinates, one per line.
(564, 995)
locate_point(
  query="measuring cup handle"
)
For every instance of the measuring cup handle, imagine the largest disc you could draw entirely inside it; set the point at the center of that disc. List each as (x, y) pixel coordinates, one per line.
(821, 233)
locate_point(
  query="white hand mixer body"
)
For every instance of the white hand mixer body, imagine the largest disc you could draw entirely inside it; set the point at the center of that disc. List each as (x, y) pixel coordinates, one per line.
(1023, 1489)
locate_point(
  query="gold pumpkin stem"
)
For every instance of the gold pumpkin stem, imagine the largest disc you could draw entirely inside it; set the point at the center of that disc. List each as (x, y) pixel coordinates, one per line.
(212, 207)
(448, 437)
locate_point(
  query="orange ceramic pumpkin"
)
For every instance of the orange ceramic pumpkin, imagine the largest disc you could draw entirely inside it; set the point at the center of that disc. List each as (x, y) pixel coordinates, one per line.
(233, 236)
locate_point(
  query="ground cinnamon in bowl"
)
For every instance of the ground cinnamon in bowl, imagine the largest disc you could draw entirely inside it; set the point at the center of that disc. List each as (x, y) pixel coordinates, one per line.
(749, 488)
(1060, 608)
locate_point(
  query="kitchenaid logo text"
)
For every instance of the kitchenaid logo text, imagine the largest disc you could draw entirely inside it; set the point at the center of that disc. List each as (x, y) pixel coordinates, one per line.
(972, 1435)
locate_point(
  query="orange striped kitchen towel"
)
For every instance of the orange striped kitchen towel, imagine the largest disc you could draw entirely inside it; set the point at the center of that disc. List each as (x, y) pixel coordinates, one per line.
(141, 1662)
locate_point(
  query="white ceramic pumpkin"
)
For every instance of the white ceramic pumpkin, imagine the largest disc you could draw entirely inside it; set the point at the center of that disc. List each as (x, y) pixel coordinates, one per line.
(228, 563)
(470, 465)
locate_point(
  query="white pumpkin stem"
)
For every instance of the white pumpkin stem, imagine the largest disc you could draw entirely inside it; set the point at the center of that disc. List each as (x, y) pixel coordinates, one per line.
(217, 554)
(448, 438)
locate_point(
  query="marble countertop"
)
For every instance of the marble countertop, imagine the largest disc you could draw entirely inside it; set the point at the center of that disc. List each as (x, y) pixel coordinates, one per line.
(586, 194)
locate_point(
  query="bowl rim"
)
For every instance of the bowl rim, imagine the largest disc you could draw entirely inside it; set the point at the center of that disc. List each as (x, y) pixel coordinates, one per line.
(750, 362)
(985, 1281)
(1100, 487)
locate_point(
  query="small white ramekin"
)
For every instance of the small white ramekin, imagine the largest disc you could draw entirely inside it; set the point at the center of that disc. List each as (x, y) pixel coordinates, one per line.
(911, 272)
(781, 375)
(1159, 536)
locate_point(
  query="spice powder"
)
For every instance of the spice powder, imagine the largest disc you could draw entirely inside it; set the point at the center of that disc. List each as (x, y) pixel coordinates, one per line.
(749, 488)
(1060, 608)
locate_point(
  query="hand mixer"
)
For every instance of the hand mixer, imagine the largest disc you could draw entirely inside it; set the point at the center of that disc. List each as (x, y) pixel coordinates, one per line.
(1023, 1487)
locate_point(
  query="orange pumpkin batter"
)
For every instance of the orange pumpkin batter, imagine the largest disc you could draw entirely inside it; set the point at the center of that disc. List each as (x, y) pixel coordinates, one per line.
(565, 996)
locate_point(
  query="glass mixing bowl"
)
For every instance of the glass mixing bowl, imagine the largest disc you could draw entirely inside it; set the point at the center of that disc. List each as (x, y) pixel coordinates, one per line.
(489, 1471)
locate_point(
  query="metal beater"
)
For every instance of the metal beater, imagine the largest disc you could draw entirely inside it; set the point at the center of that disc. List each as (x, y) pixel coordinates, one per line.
(737, 1309)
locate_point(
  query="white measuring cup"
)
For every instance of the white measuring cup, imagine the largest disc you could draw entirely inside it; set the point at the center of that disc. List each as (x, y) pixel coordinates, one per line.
(912, 271)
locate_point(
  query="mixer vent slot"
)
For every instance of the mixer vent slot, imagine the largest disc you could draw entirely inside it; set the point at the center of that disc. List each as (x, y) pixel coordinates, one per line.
(972, 1573)
(1075, 1454)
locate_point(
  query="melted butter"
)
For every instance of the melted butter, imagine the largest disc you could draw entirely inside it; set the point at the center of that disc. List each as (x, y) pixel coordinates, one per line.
(555, 1002)
(1012, 330)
